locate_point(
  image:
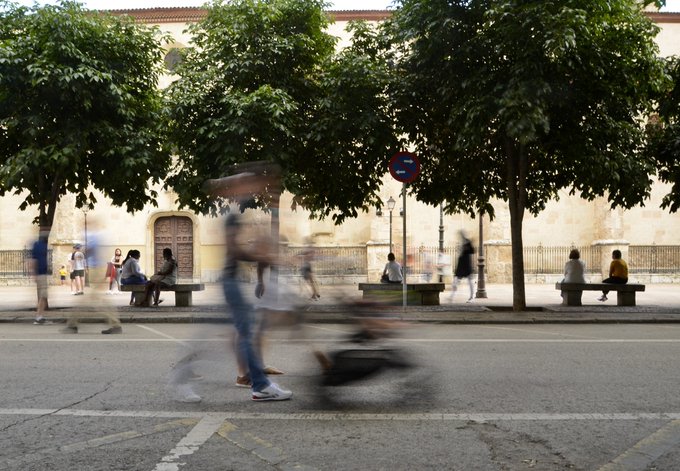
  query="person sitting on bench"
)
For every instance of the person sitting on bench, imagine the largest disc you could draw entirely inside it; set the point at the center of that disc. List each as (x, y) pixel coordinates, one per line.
(166, 276)
(618, 273)
(392, 272)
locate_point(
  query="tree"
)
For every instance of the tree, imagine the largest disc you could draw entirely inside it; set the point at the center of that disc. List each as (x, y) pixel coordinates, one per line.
(519, 99)
(79, 108)
(664, 137)
(262, 82)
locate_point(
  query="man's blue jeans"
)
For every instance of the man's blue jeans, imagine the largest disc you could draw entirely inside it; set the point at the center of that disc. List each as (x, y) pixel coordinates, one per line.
(242, 315)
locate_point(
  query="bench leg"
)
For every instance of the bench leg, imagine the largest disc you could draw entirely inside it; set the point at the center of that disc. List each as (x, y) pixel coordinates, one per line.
(430, 298)
(571, 298)
(183, 298)
(625, 298)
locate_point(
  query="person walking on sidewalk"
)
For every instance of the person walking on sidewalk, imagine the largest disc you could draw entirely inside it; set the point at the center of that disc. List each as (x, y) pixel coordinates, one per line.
(95, 261)
(79, 269)
(264, 181)
(40, 271)
(464, 267)
(618, 273)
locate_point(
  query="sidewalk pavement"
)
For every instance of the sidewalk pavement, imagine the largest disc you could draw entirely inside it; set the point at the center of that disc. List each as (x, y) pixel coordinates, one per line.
(660, 303)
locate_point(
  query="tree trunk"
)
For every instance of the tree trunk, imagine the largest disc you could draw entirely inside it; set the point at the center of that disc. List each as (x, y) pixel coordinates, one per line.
(46, 213)
(517, 167)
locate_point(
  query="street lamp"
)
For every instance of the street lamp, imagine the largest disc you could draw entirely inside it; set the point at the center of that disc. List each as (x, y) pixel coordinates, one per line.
(441, 227)
(86, 280)
(481, 286)
(390, 206)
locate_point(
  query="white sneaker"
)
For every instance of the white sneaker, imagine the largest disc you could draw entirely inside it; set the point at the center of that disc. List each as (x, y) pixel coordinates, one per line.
(184, 393)
(273, 392)
(602, 298)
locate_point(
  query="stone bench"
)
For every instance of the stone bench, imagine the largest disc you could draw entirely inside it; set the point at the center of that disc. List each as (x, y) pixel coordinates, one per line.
(182, 291)
(625, 294)
(417, 294)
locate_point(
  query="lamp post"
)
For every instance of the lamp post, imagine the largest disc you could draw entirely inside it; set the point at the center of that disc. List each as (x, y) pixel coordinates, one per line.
(86, 280)
(390, 206)
(441, 227)
(481, 286)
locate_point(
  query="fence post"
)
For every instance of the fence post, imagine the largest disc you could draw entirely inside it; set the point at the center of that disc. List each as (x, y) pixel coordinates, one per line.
(376, 258)
(606, 248)
(498, 261)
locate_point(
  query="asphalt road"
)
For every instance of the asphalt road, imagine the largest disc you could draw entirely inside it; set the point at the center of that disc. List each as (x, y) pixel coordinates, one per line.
(492, 397)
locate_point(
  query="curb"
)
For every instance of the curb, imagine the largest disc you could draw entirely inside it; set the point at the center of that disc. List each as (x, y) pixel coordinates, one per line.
(326, 317)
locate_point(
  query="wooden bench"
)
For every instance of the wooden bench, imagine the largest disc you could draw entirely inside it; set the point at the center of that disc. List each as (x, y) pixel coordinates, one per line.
(182, 291)
(625, 294)
(417, 294)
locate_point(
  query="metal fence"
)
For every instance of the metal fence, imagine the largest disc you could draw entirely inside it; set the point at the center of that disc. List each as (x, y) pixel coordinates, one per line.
(551, 260)
(16, 263)
(654, 259)
(346, 260)
(352, 260)
(423, 260)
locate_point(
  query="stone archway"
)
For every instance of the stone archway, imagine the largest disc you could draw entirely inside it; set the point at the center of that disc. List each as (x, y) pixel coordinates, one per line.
(176, 232)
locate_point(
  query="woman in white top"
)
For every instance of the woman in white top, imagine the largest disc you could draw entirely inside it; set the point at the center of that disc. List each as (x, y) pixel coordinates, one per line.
(78, 265)
(574, 269)
(392, 272)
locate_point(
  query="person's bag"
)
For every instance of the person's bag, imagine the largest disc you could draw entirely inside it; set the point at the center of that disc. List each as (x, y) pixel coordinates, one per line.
(385, 278)
(156, 277)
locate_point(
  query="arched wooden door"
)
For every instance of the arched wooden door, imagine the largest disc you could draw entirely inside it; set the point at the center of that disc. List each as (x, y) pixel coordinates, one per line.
(176, 232)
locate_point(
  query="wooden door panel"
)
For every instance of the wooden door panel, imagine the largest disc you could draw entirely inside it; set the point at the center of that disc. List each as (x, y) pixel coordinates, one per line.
(176, 232)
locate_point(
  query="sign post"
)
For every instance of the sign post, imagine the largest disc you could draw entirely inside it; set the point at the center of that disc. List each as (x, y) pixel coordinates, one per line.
(404, 167)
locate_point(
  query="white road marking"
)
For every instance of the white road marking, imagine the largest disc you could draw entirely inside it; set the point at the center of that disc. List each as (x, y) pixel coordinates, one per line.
(107, 340)
(537, 331)
(327, 329)
(20, 461)
(198, 435)
(159, 333)
(324, 416)
(641, 455)
(302, 340)
(425, 340)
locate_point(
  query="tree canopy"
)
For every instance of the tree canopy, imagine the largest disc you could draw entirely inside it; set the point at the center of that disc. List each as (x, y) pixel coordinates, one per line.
(664, 136)
(262, 82)
(79, 107)
(517, 100)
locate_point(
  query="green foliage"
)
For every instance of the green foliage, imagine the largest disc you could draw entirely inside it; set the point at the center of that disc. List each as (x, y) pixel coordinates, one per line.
(664, 136)
(350, 135)
(79, 107)
(261, 82)
(519, 99)
(559, 87)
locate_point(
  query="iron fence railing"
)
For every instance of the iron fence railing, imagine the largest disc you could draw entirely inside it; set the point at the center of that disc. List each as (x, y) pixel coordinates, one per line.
(16, 263)
(423, 260)
(661, 259)
(353, 260)
(345, 260)
(551, 260)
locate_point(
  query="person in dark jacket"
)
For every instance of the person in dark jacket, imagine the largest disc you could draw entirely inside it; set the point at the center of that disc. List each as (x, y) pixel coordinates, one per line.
(464, 267)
